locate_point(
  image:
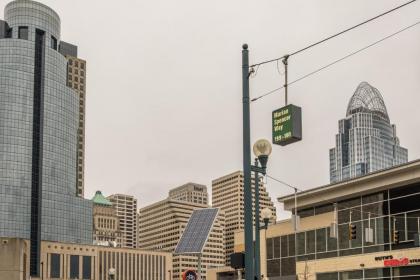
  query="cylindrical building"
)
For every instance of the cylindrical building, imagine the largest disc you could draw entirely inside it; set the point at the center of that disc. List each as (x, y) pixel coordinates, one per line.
(38, 132)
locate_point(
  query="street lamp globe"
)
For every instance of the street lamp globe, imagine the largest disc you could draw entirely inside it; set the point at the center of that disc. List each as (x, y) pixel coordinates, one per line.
(266, 215)
(262, 148)
(111, 272)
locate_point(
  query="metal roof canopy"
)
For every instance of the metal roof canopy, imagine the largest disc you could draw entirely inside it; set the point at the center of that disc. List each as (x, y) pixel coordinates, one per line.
(197, 231)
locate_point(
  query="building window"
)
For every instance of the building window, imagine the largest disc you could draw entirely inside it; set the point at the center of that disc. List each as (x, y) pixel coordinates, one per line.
(23, 33)
(55, 266)
(327, 276)
(74, 267)
(53, 43)
(9, 33)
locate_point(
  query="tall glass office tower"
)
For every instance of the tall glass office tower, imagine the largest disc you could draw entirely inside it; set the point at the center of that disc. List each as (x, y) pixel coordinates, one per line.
(38, 133)
(366, 140)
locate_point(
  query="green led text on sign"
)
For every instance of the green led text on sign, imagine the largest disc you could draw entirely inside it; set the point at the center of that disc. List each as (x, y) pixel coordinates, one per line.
(282, 125)
(287, 125)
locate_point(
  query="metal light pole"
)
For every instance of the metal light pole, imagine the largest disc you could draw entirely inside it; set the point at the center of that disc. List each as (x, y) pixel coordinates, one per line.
(42, 270)
(262, 149)
(257, 259)
(249, 268)
(266, 214)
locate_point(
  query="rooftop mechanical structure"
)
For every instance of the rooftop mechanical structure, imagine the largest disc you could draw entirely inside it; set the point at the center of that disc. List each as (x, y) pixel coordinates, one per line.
(366, 140)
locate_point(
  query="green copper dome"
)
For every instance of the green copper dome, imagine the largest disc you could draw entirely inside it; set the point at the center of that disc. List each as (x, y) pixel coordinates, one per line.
(99, 198)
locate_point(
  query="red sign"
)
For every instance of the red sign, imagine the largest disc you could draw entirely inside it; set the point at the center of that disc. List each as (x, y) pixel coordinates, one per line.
(189, 275)
(396, 262)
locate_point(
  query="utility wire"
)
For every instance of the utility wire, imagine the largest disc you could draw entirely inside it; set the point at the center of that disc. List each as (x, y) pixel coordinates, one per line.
(337, 61)
(283, 183)
(337, 34)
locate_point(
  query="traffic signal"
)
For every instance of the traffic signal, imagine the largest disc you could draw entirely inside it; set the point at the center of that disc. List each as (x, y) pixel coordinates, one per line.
(352, 232)
(396, 236)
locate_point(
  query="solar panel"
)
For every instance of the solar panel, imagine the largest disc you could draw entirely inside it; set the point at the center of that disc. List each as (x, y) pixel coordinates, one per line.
(197, 231)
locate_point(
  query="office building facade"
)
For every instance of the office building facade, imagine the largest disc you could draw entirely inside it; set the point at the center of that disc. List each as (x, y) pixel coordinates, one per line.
(38, 133)
(366, 141)
(228, 195)
(66, 261)
(126, 206)
(76, 79)
(190, 192)
(106, 225)
(161, 228)
(377, 219)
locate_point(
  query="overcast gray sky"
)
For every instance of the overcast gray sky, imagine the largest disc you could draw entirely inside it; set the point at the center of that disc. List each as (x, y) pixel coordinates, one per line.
(164, 85)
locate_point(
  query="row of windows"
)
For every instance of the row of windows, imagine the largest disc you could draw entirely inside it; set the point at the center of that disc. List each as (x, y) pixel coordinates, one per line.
(76, 71)
(76, 86)
(130, 266)
(393, 197)
(74, 272)
(23, 33)
(76, 63)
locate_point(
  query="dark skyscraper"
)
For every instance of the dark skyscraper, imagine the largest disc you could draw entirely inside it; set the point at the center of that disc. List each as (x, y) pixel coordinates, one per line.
(39, 120)
(366, 140)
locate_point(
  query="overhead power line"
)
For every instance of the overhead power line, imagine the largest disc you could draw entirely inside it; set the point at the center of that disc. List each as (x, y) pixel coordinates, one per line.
(335, 35)
(337, 61)
(282, 182)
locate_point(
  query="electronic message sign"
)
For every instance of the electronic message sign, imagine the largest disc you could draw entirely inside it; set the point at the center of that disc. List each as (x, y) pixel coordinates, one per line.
(287, 125)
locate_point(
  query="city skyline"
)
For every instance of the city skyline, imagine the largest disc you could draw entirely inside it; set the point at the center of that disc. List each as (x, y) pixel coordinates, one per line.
(125, 154)
(164, 114)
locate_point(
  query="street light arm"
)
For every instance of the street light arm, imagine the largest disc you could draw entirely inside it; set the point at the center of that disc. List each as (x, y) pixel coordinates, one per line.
(258, 169)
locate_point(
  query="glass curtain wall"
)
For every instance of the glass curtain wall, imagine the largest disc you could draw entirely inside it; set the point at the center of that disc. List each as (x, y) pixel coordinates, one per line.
(380, 213)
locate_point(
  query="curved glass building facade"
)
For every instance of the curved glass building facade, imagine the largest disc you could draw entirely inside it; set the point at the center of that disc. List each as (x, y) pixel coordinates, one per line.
(38, 132)
(366, 140)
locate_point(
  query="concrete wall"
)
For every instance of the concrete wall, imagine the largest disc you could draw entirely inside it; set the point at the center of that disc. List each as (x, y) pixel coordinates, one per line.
(13, 261)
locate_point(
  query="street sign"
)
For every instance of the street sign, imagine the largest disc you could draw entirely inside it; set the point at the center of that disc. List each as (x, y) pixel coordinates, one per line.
(189, 275)
(287, 125)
